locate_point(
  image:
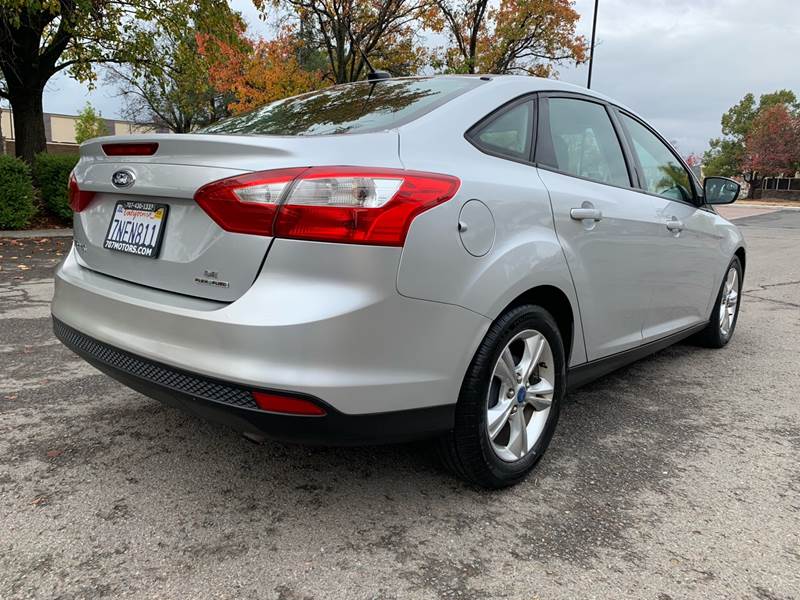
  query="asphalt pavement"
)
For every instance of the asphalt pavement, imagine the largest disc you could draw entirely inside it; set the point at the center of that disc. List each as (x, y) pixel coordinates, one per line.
(677, 477)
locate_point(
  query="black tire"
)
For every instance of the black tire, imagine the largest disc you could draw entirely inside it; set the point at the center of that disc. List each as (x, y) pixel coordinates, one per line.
(713, 336)
(466, 450)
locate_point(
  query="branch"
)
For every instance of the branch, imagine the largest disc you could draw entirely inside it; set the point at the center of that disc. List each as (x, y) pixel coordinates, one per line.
(98, 61)
(454, 28)
(480, 11)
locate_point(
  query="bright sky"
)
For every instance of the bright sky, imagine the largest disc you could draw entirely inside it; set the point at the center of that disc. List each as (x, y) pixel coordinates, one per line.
(680, 63)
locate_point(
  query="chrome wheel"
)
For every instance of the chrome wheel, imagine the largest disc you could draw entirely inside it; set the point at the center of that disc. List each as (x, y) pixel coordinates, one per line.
(520, 395)
(729, 302)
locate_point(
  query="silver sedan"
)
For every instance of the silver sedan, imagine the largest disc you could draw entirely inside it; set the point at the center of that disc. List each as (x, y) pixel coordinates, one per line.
(393, 259)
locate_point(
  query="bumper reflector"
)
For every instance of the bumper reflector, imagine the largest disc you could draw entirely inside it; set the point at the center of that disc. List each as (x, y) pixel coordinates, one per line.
(287, 404)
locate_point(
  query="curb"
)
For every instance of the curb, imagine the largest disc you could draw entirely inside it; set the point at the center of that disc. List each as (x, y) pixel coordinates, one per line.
(36, 233)
(760, 205)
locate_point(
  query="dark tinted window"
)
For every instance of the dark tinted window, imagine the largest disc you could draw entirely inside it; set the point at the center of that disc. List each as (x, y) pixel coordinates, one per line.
(351, 108)
(508, 133)
(663, 173)
(577, 138)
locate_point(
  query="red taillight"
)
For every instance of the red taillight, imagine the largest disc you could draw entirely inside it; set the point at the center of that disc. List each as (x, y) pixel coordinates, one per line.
(287, 404)
(130, 149)
(246, 203)
(351, 205)
(360, 206)
(78, 199)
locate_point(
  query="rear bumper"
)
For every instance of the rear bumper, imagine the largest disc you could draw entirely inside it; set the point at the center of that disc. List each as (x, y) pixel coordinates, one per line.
(321, 320)
(233, 405)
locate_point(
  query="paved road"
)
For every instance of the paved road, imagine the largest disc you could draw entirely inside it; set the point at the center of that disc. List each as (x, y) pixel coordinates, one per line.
(678, 477)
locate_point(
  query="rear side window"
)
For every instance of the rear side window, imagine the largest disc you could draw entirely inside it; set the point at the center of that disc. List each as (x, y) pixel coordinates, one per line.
(664, 174)
(508, 133)
(351, 108)
(577, 138)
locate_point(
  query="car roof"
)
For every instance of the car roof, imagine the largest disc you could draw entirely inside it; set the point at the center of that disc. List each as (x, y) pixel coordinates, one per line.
(533, 84)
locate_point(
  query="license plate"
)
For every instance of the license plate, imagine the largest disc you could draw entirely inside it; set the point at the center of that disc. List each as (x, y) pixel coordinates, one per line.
(137, 228)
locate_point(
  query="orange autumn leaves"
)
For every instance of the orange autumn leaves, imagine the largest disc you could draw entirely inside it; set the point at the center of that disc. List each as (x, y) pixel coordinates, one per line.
(512, 36)
(257, 71)
(531, 36)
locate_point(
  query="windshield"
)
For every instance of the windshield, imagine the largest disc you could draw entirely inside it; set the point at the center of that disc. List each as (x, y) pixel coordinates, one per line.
(350, 108)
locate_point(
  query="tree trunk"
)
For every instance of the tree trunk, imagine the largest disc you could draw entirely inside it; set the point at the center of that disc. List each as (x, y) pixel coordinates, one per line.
(755, 182)
(26, 66)
(29, 136)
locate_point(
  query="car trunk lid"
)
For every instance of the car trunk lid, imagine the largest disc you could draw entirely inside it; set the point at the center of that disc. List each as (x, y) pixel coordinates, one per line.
(196, 256)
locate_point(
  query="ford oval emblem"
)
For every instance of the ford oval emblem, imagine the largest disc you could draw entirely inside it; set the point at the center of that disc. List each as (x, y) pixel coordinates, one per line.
(123, 178)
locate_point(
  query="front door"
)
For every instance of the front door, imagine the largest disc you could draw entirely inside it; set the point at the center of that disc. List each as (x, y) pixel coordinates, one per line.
(686, 241)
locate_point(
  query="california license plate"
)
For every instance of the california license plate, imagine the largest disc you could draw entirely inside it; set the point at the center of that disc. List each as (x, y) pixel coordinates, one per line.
(137, 228)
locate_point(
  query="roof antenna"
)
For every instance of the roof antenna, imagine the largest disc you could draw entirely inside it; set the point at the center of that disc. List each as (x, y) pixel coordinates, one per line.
(373, 75)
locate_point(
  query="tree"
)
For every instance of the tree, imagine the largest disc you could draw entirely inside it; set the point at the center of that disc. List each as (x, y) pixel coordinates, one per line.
(352, 33)
(172, 87)
(724, 157)
(726, 154)
(693, 160)
(772, 145)
(39, 38)
(256, 72)
(514, 36)
(89, 124)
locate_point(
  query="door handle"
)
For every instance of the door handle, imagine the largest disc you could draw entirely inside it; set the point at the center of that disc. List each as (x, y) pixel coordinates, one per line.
(582, 214)
(675, 225)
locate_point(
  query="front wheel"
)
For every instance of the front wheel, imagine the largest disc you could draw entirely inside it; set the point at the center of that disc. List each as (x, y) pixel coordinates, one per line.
(725, 313)
(509, 402)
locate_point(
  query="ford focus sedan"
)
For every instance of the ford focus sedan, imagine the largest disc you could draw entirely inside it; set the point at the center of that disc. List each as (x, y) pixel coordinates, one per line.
(432, 257)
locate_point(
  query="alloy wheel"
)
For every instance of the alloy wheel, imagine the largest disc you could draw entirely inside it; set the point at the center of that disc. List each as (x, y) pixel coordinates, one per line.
(520, 395)
(729, 302)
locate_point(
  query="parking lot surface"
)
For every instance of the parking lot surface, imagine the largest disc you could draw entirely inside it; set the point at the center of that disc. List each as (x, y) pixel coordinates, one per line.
(676, 477)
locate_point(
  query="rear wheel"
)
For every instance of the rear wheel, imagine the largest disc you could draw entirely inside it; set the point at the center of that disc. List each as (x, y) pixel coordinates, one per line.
(509, 402)
(725, 313)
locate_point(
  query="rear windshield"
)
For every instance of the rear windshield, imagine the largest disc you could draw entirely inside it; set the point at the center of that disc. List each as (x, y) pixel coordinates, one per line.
(351, 108)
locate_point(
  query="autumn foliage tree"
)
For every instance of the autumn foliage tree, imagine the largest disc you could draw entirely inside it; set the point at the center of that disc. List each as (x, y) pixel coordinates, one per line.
(354, 34)
(512, 36)
(170, 86)
(257, 71)
(772, 145)
(727, 154)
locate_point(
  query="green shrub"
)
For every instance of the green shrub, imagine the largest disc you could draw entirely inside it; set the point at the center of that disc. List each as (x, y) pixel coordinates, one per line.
(51, 174)
(16, 193)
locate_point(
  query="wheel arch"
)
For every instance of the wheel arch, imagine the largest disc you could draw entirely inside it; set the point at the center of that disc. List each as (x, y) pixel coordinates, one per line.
(557, 303)
(740, 253)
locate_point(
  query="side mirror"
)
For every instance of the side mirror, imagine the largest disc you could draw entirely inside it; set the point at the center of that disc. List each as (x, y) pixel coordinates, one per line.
(720, 190)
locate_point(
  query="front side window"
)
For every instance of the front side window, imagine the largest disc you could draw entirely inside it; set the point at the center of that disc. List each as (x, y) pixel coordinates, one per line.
(508, 134)
(350, 108)
(664, 175)
(577, 138)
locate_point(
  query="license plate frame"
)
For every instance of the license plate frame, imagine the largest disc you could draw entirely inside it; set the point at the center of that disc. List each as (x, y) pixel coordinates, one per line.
(130, 246)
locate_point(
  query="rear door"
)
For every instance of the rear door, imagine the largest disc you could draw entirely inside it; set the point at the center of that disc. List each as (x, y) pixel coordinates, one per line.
(686, 241)
(605, 226)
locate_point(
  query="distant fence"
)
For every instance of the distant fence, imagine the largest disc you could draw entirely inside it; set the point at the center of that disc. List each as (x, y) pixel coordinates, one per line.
(779, 188)
(781, 183)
